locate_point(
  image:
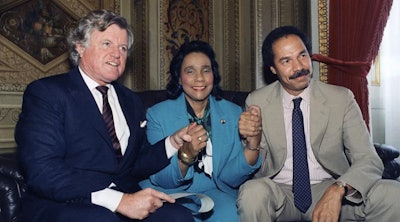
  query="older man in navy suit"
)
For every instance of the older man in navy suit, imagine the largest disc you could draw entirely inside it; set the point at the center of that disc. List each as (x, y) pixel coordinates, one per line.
(78, 166)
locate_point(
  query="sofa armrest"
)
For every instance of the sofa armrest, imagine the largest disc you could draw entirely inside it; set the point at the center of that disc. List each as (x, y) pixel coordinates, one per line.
(392, 170)
(12, 186)
(9, 166)
(10, 195)
(388, 154)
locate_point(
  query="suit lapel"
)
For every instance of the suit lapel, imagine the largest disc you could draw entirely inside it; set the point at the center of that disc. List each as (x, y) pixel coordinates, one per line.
(220, 129)
(319, 116)
(180, 110)
(133, 116)
(85, 101)
(274, 122)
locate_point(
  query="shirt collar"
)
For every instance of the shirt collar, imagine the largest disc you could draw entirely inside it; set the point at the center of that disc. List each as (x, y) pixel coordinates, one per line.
(287, 98)
(91, 84)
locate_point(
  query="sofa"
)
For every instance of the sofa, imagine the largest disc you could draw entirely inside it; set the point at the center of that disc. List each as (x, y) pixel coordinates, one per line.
(12, 184)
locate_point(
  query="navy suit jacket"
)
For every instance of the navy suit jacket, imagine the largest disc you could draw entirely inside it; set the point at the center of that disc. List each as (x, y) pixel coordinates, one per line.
(64, 148)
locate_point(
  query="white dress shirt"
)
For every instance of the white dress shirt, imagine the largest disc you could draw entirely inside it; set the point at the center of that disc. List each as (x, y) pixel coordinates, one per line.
(317, 173)
(110, 198)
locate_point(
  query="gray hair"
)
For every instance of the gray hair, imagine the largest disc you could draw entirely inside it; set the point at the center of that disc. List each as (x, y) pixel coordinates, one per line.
(98, 20)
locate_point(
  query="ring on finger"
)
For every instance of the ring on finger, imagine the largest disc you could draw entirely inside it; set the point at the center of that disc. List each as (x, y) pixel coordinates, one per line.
(199, 138)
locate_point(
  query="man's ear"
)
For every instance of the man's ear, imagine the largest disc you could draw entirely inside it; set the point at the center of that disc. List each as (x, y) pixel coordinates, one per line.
(272, 69)
(80, 49)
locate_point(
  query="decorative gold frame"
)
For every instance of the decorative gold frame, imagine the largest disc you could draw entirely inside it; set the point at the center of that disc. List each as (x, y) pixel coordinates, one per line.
(323, 31)
(376, 79)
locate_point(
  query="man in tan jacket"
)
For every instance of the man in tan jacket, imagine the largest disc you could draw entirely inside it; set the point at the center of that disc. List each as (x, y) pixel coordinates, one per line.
(344, 170)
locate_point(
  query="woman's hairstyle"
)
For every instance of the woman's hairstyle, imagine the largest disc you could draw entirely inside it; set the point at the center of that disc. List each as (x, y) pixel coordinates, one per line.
(173, 87)
(98, 20)
(268, 54)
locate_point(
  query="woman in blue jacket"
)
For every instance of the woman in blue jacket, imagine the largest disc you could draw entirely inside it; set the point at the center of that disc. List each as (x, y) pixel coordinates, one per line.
(224, 161)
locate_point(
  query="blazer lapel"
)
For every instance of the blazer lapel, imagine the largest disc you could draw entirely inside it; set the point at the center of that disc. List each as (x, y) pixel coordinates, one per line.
(88, 107)
(219, 130)
(133, 114)
(319, 116)
(180, 110)
(275, 127)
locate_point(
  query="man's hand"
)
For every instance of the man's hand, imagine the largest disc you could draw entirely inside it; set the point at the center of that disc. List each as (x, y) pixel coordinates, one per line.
(140, 204)
(250, 128)
(250, 125)
(329, 206)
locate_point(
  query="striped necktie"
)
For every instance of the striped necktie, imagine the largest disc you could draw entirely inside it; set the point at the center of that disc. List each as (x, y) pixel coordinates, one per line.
(108, 119)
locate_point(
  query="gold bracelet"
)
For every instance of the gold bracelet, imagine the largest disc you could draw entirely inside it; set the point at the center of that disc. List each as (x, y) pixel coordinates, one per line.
(186, 159)
(253, 148)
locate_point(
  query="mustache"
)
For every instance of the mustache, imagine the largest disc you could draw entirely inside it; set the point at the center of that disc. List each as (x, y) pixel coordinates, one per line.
(302, 72)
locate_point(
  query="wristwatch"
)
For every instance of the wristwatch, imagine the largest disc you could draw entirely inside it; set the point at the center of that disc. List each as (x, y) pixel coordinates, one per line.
(343, 185)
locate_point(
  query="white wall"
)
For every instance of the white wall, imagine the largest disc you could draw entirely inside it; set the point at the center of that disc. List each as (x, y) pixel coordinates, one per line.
(385, 99)
(377, 108)
(390, 75)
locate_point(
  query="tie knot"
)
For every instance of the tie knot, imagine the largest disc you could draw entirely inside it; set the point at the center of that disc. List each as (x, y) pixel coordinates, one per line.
(102, 89)
(297, 102)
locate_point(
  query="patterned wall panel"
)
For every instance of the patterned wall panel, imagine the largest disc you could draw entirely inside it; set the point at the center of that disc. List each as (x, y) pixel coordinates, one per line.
(136, 71)
(181, 21)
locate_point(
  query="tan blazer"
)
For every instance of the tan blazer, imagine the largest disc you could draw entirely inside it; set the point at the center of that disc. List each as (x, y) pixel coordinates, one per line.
(339, 138)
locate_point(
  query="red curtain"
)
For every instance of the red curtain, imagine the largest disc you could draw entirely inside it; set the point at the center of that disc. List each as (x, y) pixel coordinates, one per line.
(355, 33)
